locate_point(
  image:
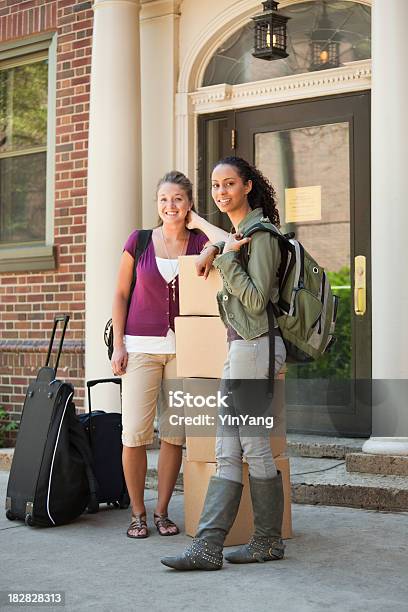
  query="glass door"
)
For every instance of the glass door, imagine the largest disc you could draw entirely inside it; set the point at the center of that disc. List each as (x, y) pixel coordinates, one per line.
(316, 155)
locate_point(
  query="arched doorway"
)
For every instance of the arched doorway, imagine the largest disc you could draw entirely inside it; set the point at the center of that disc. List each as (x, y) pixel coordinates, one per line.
(315, 150)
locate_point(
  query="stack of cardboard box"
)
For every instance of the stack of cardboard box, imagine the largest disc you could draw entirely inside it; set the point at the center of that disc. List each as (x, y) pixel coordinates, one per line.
(201, 348)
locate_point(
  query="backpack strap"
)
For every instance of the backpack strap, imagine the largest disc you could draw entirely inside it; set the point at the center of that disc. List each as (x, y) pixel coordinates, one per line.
(143, 239)
(270, 310)
(265, 227)
(271, 332)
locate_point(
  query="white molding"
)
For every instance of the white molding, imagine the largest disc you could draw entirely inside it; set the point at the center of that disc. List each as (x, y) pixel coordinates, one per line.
(386, 446)
(159, 8)
(354, 76)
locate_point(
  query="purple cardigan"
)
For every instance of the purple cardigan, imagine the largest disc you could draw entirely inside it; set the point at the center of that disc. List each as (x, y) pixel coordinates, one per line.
(152, 308)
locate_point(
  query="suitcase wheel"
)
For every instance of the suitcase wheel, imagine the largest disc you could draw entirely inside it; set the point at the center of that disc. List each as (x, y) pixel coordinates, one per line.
(93, 507)
(115, 504)
(10, 515)
(29, 520)
(124, 502)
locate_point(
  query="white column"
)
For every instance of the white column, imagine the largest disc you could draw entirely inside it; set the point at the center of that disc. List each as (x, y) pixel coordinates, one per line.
(114, 172)
(389, 228)
(186, 139)
(159, 68)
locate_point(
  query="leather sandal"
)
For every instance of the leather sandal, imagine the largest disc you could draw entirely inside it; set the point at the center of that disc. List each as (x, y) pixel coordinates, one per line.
(162, 521)
(138, 522)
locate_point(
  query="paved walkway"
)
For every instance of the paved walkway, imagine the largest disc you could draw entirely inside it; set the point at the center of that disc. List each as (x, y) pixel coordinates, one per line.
(341, 559)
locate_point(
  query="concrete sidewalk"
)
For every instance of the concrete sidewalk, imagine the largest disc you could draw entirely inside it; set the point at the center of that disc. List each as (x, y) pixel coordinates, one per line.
(340, 558)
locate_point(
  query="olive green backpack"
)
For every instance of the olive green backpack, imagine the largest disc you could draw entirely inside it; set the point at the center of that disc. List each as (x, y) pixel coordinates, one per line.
(307, 309)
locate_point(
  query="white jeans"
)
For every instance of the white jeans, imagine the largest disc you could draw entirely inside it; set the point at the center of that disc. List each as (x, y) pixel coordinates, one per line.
(247, 360)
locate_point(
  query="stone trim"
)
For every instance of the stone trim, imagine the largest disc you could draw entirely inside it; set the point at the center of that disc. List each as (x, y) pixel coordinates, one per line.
(39, 346)
(21, 259)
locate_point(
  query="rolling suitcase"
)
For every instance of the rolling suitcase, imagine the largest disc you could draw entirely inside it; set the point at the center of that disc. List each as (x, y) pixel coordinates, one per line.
(51, 480)
(105, 438)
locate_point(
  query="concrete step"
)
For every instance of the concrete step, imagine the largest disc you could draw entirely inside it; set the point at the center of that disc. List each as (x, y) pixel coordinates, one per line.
(307, 445)
(6, 454)
(390, 465)
(6, 457)
(299, 445)
(314, 481)
(327, 482)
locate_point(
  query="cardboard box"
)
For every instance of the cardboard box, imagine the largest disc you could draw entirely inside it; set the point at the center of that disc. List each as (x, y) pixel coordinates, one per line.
(196, 479)
(203, 448)
(201, 347)
(200, 438)
(197, 295)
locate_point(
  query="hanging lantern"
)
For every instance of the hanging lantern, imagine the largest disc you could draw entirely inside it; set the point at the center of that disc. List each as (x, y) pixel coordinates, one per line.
(325, 44)
(270, 32)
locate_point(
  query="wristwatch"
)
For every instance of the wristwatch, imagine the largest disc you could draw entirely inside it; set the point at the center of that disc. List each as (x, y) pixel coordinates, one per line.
(218, 245)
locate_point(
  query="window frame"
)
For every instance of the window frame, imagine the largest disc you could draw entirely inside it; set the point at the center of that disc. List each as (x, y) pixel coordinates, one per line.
(221, 42)
(27, 256)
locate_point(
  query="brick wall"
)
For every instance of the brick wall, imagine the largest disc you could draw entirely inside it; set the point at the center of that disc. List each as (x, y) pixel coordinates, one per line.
(28, 301)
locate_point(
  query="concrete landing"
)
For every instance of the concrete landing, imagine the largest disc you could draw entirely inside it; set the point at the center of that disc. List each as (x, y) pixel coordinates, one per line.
(340, 559)
(327, 482)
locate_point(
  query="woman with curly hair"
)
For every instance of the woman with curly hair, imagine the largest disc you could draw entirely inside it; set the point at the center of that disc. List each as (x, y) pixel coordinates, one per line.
(250, 285)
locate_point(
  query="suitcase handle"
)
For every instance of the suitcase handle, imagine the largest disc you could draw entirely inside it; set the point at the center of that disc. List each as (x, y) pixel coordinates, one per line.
(92, 383)
(57, 319)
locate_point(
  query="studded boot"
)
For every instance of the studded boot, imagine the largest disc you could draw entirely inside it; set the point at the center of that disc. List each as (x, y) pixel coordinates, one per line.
(266, 543)
(219, 512)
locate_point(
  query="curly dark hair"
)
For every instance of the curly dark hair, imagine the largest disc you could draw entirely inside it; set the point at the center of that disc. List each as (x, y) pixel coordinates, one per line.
(262, 194)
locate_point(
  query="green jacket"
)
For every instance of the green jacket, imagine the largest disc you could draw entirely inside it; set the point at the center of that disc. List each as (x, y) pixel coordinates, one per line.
(245, 294)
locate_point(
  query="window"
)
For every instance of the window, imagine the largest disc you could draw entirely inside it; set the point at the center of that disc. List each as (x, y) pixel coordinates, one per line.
(348, 22)
(26, 157)
(23, 142)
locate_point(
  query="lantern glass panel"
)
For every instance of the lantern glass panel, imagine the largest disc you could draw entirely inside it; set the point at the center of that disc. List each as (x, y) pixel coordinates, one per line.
(234, 63)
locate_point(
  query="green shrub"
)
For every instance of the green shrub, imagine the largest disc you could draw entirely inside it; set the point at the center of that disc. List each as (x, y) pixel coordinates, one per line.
(6, 425)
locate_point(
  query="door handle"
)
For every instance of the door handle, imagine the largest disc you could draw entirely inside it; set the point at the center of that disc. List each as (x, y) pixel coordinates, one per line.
(360, 288)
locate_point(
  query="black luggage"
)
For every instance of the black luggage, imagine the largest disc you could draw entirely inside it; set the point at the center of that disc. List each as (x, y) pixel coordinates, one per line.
(105, 438)
(51, 480)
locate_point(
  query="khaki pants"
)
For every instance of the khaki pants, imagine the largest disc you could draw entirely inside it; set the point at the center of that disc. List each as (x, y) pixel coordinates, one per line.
(141, 393)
